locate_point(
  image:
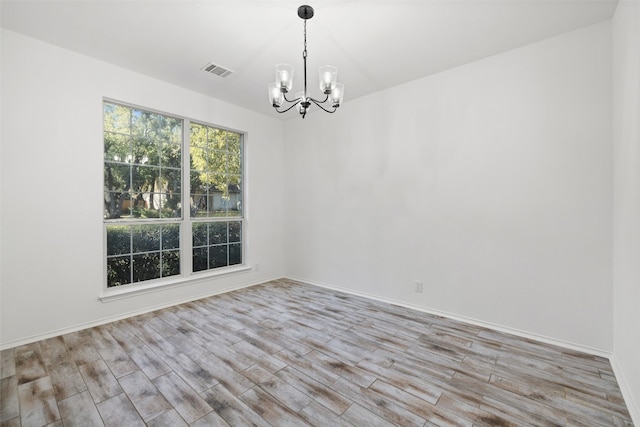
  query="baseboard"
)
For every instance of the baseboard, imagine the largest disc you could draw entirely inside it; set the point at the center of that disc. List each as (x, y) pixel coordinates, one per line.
(465, 319)
(493, 326)
(632, 405)
(102, 321)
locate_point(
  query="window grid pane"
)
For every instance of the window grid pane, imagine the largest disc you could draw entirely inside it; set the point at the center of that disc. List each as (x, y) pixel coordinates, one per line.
(215, 172)
(142, 252)
(142, 153)
(216, 244)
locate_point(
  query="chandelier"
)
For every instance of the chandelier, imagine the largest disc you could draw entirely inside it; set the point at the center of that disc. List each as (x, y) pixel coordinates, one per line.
(333, 91)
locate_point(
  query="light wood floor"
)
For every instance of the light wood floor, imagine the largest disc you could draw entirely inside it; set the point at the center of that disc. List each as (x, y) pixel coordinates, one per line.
(288, 354)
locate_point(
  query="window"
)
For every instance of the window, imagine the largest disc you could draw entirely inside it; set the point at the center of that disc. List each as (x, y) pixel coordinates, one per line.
(146, 179)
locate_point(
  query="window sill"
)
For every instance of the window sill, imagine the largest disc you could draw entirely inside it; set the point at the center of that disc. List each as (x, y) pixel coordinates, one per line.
(129, 291)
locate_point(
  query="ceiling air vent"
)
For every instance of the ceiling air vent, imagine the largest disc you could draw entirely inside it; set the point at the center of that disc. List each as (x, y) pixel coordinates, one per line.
(216, 69)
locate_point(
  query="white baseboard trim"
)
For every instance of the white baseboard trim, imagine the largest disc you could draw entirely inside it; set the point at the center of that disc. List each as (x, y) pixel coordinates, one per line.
(493, 326)
(632, 405)
(102, 321)
(465, 319)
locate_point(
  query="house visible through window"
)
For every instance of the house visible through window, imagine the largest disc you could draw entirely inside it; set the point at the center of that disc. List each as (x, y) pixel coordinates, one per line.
(146, 180)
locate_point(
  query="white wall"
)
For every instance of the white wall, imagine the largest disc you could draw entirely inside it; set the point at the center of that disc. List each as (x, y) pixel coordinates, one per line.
(491, 183)
(52, 257)
(626, 207)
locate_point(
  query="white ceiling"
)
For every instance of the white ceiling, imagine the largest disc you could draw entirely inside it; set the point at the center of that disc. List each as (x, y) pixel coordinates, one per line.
(374, 44)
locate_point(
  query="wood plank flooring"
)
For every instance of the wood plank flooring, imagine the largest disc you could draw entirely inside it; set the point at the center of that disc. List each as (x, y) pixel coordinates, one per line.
(290, 354)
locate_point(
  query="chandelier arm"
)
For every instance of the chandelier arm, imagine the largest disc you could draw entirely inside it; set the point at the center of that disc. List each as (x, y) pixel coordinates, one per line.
(296, 100)
(317, 102)
(319, 105)
(290, 107)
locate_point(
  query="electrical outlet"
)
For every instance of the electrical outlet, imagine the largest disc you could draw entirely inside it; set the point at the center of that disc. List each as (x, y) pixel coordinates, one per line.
(256, 267)
(418, 286)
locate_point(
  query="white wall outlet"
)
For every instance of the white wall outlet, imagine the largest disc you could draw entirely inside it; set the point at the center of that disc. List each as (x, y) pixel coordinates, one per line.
(417, 286)
(256, 267)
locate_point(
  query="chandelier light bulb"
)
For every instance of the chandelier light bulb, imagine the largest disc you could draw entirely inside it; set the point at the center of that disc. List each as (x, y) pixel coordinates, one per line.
(284, 77)
(337, 94)
(328, 75)
(276, 96)
(301, 104)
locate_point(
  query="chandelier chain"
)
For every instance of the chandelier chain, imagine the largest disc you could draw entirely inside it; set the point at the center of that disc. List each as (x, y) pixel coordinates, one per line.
(304, 58)
(304, 52)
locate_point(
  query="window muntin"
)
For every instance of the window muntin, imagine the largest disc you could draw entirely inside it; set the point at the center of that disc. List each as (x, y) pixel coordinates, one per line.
(143, 194)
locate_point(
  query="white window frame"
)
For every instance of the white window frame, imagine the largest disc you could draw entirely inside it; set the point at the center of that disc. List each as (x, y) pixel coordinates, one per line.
(187, 276)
